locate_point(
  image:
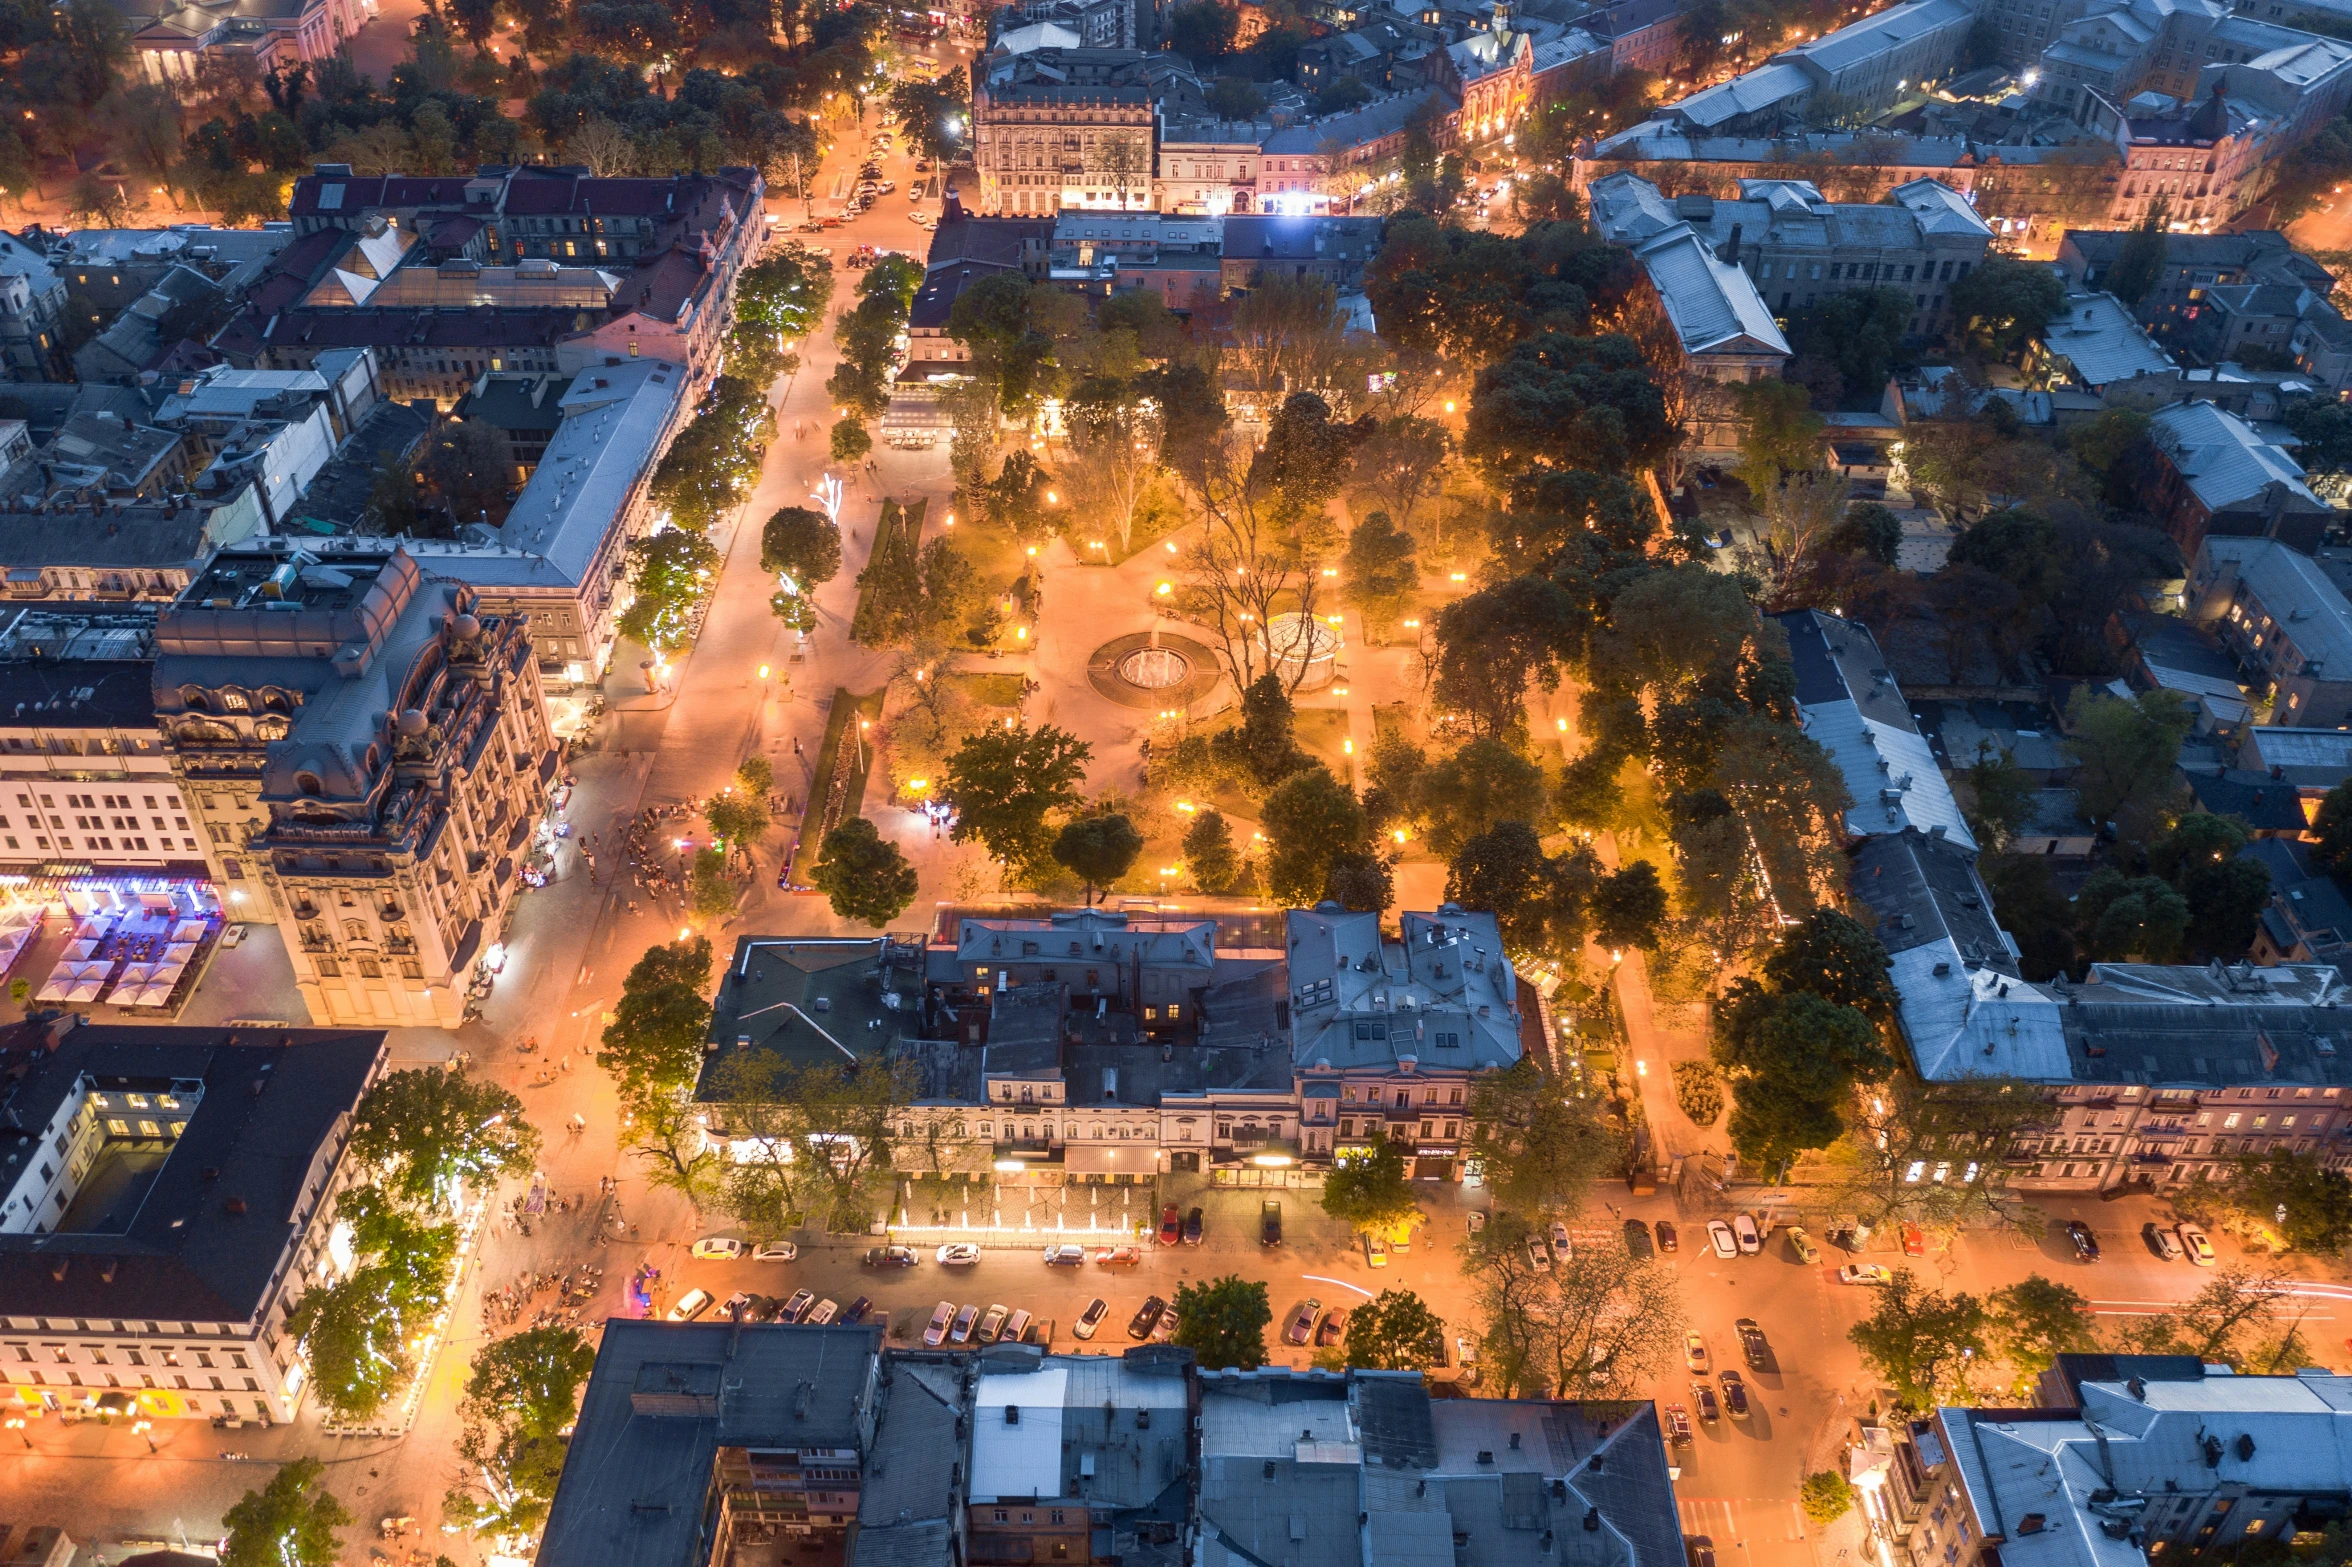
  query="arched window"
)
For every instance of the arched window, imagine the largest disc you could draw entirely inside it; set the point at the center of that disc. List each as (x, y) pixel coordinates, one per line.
(271, 728)
(194, 700)
(307, 782)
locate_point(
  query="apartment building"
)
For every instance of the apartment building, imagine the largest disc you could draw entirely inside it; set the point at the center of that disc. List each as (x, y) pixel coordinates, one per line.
(1852, 709)
(32, 314)
(371, 752)
(2288, 627)
(1063, 128)
(173, 1196)
(2217, 476)
(173, 39)
(1070, 1453)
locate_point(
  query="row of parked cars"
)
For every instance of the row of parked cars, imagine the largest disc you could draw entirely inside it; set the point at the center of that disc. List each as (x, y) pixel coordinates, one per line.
(1755, 1349)
(956, 1327)
(802, 1306)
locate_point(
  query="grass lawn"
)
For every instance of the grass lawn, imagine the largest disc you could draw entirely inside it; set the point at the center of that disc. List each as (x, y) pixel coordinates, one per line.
(1320, 731)
(839, 772)
(989, 690)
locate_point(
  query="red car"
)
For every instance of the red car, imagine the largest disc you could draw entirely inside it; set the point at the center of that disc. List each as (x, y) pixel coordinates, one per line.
(1171, 1225)
(1914, 1243)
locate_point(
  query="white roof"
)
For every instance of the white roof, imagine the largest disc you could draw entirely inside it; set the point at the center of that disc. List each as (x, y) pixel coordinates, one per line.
(1765, 87)
(2309, 609)
(1975, 1022)
(1892, 28)
(2100, 339)
(1939, 208)
(1714, 305)
(2223, 458)
(1023, 1459)
(1881, 760)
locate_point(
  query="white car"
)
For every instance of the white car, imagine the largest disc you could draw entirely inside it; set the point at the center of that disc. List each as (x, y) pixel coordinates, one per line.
(1561, 1250)
(2197, 1244)
(774, 1251)
(1538, 1258)
(1065, 1256)
(1866, 1273)
(935, 1334)
(959, 1253)
(1719, 1236)
(690, 1305)
(821, 1313)
(1751, 1240)
(723, 1248)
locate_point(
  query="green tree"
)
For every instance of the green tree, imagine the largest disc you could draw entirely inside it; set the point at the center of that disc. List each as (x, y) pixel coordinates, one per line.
(2000, 796)
(520, 1403)
(2034, 1321)
(1486, 781)
(1402, 462)
(1795, 1058)
(2224, 889)
(2317, 1200)
(1394, 1331)
(2136, 917)
(434, 1136)
(1923, 1342)
(1835, 957)
(1782, 434)
(863, 875)
(1871, 531)
(936, 115)
(1368, 1189)
(1208, 852)
(1629, 907)
(1203, 30)
(351, 1335)
(1379, 572)
(1002, 782)
(1265, 745)
(2140, 263)
(1311, 820)
(2006, 302)
(1540, 901)
(1541, 1149)
(1223, 1322)
(737, 818)
(802, 544)
(1098, 849)
(713, 891)
(653, 1046)
(1825, 1496)
(469, 467)
(290, 1522)
(2332, 827)
(670, 573)
(1570, 401)
(2123, 748)
(850, 440)
(1493, 642)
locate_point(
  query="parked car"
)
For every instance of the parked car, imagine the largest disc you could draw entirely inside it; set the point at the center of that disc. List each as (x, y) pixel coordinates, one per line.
(1637, 1239)
(1091, 1317)
(1171, 1225)
(1538, 1258)
(1164, 1329)
(1192, 1228)
(2196, 1243)
(1466, 1356)
(1269, 1223)
(1065, 1256)
(1015, 1325)
(2162, 1242)
(1914, 1243)
(890, 1257)
(959, 1253)
(1704, 1400)
(1668, 1240)
(1331, 1329)
(1749, 1239)
(763, 1308)
(991, 1325)
(966, 1319)
(797, 1307)
(1719, 1236)
(774, 1251)
(736, 1307)
(1147, 1317)
(1866, 1273)
(1477, 1220)
(855, 1312)
(1039, 1331)
(1678, 1426)
(1302, 1321)
(1561, 1250)
(1735, 1393)
(935, 1334)
(1753, 1348)
(720, 1248)
(690, 1305)
(1375, 1252)
(1700, 1550)
(1802, 1244)
(823, 1312)
(1117, 1257)
(1694, 1351)
(2086, 1245)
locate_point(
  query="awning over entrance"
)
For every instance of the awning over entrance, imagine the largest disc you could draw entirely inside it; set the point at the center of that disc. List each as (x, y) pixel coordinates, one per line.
(1110, 1158)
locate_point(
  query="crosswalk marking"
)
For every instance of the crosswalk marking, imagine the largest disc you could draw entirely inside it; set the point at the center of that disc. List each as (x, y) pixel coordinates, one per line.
(1732, 1520)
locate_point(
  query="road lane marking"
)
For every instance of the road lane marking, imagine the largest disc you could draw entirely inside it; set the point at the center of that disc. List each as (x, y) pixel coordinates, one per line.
(1342, 1283)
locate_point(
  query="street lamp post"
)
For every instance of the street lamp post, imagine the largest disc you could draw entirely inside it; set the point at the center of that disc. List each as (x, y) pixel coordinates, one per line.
(16, 1423)
(143, 1428)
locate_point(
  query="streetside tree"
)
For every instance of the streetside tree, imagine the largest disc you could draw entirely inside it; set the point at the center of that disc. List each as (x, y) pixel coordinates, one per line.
(1098, 850)
(1368, 1189)
(1223, 1322)
(863, 875)
(1395, 1331)
(290, 1522)
(520, 1403)
(433, 1136)
(653, 1047)
(1004, 782)
(1541, 1149)
(1923, 1342)
(1311, 820)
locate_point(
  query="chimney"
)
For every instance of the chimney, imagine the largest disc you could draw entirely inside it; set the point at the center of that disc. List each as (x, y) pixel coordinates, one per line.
(1731, 246)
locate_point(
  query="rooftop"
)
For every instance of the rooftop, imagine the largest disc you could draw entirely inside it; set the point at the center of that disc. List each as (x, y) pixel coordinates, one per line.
(1443, 995)
(2225, 460)
(206, 1237)
(2098, 339)
(810, 1001)
(1854, 710)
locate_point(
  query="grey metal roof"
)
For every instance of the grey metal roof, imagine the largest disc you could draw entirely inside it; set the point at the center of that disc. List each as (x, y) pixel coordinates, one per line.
(2225, 460)
(2100, 340)
(809, 1001)
(1444, 995)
